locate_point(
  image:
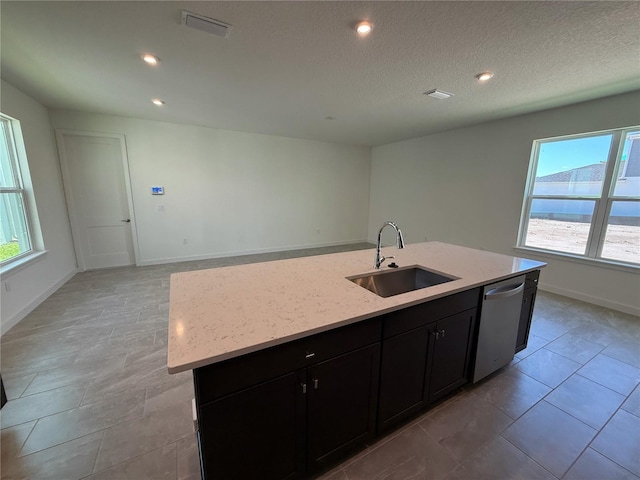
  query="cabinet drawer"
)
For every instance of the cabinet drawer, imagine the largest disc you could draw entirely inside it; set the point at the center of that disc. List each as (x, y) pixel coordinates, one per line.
(413, 317)
(217, 380)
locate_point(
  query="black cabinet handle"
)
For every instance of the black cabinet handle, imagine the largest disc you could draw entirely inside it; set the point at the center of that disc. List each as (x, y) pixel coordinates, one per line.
(304, 388)
(315, 383)
(310, 355)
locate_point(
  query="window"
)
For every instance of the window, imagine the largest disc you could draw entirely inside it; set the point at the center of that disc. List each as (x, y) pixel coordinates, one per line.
(15, 232)
(583, 196)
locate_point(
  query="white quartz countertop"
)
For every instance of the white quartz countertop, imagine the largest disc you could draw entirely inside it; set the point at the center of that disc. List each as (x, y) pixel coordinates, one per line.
(226, 312)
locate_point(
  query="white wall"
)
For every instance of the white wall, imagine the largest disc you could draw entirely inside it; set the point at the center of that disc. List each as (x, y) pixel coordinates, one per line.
(231, 193)
(32, 284)
(466, 187)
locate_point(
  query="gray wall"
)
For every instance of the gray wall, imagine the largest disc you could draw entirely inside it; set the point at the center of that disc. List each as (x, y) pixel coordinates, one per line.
(25, 288)
(466, 187)
(231, 193)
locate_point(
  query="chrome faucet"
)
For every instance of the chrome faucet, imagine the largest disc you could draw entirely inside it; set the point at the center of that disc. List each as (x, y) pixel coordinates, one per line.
(399, 242)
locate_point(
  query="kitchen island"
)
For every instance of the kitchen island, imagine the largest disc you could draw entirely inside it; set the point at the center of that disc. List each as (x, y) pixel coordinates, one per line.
(295, 365)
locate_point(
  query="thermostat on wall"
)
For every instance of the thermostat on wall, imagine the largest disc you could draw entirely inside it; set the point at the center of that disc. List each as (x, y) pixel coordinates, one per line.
(157, 190)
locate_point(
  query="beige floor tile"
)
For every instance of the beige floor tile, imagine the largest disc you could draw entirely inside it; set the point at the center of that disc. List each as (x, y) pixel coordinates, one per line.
(575, 348)
(499, 460)
(550, 328)
(465, 426)
(625, 351)
(11, 441)
(548, 367)
(70, 460)
(632, 404)
(41, 405)
(188, 459)
(593, 466)
(73, 374)
(534, 344)
(597, 333)
(411, 454)
(586, 400)
(163, 400)
(614, 374)
(131, 439)
(15, 385)
(512, 391)
(619, 441)
(158, 464)
(551, 437)
(81, 421)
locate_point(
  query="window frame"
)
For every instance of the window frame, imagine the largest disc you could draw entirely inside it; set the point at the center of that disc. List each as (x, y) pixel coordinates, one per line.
(602, 203)
(19, 188)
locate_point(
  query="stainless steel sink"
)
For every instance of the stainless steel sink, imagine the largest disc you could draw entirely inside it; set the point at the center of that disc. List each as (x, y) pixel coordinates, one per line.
(401, 280)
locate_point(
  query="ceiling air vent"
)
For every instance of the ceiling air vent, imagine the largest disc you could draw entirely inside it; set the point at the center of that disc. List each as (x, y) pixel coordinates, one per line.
(439, 94)
(206, 24)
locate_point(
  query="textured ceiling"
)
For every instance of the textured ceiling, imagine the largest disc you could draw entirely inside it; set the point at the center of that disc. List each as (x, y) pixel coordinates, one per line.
(288, 65)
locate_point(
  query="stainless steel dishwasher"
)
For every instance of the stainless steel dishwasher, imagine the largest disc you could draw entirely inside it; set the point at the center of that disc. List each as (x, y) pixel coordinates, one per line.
(499, 318)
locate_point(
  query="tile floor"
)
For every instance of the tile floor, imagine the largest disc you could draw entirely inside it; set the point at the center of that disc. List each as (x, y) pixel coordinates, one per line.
(90, 397)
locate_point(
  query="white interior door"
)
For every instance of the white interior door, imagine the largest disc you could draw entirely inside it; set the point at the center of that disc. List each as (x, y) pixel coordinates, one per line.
(98, 196)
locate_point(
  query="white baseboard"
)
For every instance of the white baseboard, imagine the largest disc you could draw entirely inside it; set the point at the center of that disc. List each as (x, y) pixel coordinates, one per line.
(192, 258)
(621, 307)
(26, 310)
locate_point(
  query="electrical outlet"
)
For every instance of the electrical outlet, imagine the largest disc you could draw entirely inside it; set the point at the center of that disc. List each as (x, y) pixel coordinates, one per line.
(161, 208)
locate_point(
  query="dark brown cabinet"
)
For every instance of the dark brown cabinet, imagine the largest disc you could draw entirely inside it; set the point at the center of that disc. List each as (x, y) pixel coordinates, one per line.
(403, 377)
(526, 314)
(450, 359)
(341, 405)
(256, 433)
(421, 365)
(290, 410)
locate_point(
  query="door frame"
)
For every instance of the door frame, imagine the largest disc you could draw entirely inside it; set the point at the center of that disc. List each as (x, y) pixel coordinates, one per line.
(73, 210)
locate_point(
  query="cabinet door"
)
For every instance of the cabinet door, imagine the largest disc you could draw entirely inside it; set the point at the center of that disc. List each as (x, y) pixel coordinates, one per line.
(255, 433)
(526, 314)
(403, 377)
(450, 353)
(341, 404)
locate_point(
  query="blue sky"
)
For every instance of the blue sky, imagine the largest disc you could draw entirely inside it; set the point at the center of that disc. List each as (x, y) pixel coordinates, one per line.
(563, 155)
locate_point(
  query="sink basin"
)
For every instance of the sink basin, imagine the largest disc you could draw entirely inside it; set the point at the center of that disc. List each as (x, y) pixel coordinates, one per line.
(402, 280)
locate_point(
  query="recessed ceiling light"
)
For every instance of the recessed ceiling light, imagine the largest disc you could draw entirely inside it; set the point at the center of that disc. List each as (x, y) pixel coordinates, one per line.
(439, 94)
(484, 76)
(150, 59)
(364, 28)
(158, 102)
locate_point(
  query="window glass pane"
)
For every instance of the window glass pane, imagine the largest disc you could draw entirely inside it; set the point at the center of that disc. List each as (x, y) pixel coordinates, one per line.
(628, 178)
(14, 236)
(622, 238)
(572, 167)
(7, 177)
(561, 225)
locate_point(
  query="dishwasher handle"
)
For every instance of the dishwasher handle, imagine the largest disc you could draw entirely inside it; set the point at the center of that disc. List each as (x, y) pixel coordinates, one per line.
(504, 292)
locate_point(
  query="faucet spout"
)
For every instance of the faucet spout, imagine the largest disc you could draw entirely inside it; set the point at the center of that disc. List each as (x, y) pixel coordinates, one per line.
(399, 243)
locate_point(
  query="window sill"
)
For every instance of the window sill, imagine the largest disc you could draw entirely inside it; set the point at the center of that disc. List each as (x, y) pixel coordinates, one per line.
(21, 263)
(593, 262)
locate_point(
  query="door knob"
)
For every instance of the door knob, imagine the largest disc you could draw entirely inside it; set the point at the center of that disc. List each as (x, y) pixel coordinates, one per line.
(126, 221)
